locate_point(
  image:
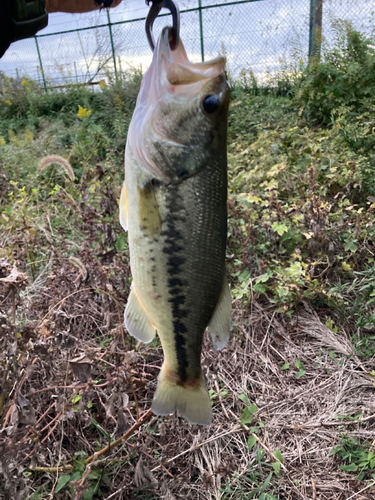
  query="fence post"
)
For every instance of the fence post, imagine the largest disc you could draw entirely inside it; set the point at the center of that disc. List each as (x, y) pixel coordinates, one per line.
(201, 28)
(111, 38)
(315, 35)
(41, 65)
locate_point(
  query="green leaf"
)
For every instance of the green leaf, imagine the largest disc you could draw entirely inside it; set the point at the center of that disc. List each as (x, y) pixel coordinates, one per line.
(348, 468)
(121, 242)
(332, 354)
(248, 414)
(285, 366)
(300, 373)
(244, 276)
(298, 364)
(89, 494)
(76, 398)
(280, 229)
(267, 481)
(95, 474)
(251, 441)
(63, 480)
(278, 455)
(212, 394)
(350, 246)
(244, 398)
(276, 467)
(263, 278)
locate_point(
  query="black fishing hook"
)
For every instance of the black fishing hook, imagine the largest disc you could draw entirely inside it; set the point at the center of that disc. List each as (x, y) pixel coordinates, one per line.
(156, 7)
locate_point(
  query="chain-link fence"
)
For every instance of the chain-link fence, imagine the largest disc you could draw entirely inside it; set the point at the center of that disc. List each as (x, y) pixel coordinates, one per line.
(261, 35)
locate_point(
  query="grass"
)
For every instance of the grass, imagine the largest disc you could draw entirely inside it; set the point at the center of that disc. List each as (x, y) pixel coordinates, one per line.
(292, 394)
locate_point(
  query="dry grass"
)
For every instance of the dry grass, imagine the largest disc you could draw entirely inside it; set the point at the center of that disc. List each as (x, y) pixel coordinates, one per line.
(57, 357)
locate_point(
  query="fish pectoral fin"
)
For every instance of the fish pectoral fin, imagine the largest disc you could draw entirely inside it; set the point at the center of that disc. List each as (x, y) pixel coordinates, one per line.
(219, 326)
(191, 402)
(124, 207)
(137, 322)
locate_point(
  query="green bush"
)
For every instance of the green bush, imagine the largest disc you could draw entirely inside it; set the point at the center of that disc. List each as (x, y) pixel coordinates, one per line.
(344, 81)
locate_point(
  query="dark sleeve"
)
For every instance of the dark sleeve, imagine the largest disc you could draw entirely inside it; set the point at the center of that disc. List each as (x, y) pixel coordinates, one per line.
(5, 27)
(19, 21)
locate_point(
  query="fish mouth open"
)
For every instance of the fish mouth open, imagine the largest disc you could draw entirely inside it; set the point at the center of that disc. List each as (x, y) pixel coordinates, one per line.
(175, 67)
(172, 72)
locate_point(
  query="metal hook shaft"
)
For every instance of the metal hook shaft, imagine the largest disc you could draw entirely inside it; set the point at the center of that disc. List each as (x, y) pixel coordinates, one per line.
(156, 7)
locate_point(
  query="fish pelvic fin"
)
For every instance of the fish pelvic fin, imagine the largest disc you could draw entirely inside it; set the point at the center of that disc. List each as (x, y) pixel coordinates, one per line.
(123, 206)
(219, 326)
(190, 400)
(137, 322)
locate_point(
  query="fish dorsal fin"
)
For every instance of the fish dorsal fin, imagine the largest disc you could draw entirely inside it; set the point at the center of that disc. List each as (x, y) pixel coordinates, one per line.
(219, 326)
(136, 319)
(124, 207)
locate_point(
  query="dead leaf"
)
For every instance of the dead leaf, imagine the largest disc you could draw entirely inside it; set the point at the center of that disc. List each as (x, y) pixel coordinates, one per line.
(81, 367)
(122, 424)
(46, 328)
(166, 493)
(143, 476)
(16, 278)
(110, 405)
(131, 357)
(125, 400)
(25, 412)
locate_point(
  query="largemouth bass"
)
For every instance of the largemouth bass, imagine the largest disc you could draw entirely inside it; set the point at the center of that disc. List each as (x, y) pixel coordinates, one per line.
(174, 206)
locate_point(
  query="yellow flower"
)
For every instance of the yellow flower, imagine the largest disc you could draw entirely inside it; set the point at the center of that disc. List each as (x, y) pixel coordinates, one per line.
(29, 135)
(12, 135)
(102, 84)
(117, 101)
(83, 112)
(2, 141)
(8, 102)
(13, 138)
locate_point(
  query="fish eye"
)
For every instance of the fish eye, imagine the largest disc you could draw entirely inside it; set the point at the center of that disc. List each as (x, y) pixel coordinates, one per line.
(210, 103)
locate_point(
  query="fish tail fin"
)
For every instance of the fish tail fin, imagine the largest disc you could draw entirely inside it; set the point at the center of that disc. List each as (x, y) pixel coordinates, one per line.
(192, 402)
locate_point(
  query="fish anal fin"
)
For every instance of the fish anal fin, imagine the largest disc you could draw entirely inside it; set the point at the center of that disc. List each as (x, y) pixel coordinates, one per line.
(219, 326)
(191, 401)
(123, 206)
(137, 322)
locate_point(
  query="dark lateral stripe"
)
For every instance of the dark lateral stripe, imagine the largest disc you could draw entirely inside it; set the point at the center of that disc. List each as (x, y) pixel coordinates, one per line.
(174, 264)
(172, 233)
(172, 282)
(173, 248)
